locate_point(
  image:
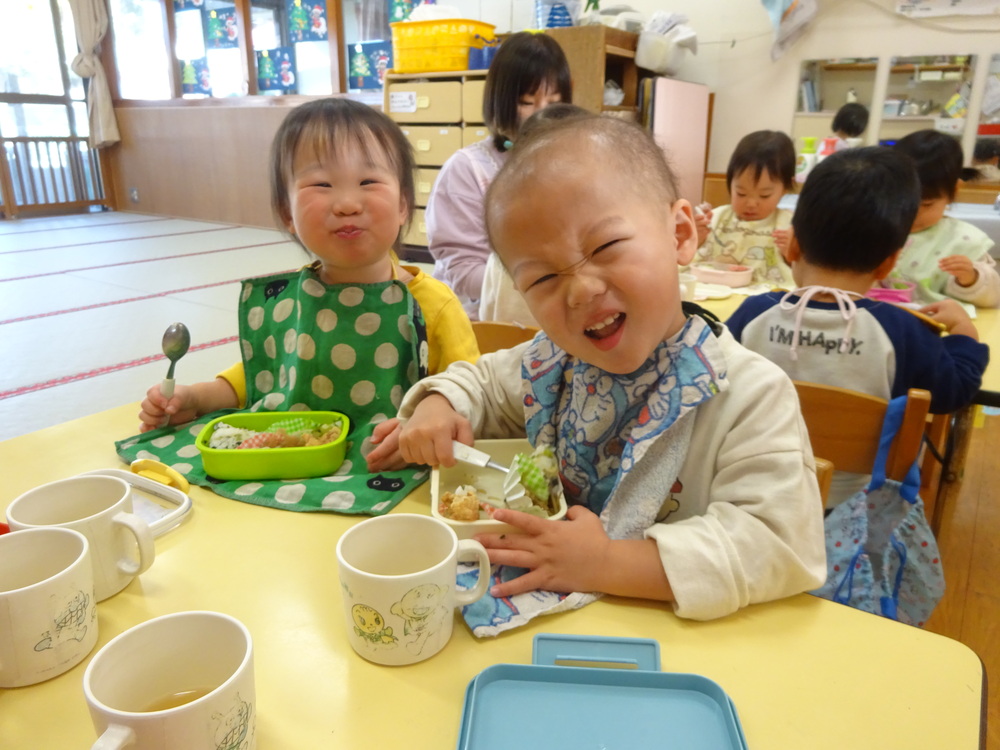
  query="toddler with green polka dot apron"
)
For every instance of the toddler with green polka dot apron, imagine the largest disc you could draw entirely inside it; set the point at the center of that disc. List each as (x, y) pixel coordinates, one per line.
(309, 346)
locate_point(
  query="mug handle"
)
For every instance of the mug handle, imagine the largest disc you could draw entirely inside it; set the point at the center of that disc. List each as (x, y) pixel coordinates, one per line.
(467, 548)
(115, 737)
(143, 537)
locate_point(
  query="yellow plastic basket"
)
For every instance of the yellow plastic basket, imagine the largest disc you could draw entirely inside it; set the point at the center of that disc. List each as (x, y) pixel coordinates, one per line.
(436, 46)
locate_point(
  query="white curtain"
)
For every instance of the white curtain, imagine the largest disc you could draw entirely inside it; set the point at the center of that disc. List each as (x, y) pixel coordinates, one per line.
(91, 20)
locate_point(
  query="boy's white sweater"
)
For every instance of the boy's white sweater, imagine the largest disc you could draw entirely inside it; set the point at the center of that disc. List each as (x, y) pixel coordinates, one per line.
(744, 522)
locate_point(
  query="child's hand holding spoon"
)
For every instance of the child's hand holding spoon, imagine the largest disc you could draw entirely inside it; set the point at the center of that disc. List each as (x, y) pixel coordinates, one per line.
(176, 340)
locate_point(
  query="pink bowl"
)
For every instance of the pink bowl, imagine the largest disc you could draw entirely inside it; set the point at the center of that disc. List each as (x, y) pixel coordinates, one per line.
(728, 274)
(895, 291)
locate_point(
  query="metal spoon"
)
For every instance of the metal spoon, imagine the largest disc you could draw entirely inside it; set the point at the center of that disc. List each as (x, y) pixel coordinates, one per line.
(176, 340)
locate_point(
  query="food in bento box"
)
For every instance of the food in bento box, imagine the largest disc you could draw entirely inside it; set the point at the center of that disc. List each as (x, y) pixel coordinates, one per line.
(287, 433)
(539, 477)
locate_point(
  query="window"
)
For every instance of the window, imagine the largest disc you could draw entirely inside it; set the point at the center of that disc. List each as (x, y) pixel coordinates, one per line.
(291, 46)
(368, 39)
(140, 50)
(46, 160)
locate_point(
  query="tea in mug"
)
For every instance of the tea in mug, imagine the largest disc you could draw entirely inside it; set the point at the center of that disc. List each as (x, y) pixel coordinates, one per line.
(174, 700)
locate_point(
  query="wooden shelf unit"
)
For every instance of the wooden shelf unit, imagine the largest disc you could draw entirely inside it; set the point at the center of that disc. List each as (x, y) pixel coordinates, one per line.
(908, 68)
(598, 53)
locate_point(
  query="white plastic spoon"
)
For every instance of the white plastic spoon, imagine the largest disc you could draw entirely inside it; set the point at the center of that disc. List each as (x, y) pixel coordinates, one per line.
(512, 487)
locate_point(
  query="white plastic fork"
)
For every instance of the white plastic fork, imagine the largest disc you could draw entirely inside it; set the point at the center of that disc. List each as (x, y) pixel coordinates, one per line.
(512, 487)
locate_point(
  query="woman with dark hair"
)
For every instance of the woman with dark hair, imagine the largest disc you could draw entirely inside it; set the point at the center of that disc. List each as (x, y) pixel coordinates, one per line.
(529, 72)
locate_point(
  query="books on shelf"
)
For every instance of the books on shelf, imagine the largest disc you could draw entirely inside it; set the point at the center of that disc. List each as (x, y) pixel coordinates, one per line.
(809, 101)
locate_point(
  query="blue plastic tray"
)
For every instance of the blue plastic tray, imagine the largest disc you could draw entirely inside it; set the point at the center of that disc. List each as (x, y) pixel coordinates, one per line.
(549, 704)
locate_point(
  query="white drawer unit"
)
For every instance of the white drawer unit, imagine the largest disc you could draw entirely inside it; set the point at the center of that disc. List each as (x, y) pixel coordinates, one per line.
(439, 113)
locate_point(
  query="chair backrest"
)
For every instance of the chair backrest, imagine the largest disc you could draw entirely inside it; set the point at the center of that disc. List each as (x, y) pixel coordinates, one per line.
(824, 477)
(845, 426)
(492, 335)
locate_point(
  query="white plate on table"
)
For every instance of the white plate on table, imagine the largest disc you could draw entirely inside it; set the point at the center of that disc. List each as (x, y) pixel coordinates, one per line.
(711, 291)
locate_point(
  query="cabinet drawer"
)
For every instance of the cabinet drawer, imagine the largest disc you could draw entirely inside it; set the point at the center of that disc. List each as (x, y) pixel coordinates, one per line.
(474, 133)
(432, 145)
(423, 180)
(417, 234)
(438, 101)
(472, 100)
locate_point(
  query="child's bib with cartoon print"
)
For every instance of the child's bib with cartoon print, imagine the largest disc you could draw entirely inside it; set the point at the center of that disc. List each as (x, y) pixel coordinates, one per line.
(601, 424)
(923, 251)
(306, 345)
(748, 243)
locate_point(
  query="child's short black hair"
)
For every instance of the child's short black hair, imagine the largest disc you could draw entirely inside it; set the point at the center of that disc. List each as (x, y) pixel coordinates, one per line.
(939, 162)
(552, 113)
(523, 63)
(851, 119)
(631, 148)
(764, 149)
(856, 208)
(985, 149)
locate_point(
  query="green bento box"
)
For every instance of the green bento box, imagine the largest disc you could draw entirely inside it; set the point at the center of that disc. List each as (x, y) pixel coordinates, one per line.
(273, 463)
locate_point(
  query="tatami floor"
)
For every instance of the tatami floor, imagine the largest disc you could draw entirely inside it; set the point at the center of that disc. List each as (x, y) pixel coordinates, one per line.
(84, 301)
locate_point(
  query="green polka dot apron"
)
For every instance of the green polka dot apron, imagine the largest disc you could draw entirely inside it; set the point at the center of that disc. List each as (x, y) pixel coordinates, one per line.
(306, 346)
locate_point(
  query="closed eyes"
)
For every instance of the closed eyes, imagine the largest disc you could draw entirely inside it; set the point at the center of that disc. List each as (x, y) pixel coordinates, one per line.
(575, 266)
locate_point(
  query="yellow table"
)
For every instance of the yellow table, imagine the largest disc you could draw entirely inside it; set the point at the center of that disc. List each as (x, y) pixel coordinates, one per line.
(802, 672)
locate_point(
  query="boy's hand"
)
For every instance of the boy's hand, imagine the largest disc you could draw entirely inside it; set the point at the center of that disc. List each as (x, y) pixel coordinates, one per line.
(961, 268)
(158, 411)
(952, 315)
(561, 556)
(426, 437)
(385, 456)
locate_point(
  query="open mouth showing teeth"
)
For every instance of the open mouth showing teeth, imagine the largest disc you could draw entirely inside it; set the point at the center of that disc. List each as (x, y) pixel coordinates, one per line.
(607, 327)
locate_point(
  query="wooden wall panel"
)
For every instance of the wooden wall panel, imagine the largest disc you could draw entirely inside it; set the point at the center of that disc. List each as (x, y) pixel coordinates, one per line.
(715, 191)
(205, 163)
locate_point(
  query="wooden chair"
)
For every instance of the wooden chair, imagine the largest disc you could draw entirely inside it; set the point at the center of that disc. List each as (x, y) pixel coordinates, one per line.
(844, 428)
(824, 477)
(492, 335)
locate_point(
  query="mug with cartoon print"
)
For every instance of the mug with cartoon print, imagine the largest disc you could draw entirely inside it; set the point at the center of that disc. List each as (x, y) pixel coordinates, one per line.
(47, 604)
(181, 680)
(397, 580)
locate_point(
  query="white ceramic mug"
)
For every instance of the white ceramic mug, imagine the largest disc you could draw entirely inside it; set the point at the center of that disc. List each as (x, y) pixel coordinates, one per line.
(397, 580)
(183, 680)
(100, 508)
(48, 613)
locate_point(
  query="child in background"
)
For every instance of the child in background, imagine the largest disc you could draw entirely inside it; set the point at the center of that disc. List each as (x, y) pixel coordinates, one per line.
(944, 257)
(353, 330)
(848, 125)
(826, 331)
(529, 72)
(752, 231)
(683, 455)
(986, 160)
(499, 300)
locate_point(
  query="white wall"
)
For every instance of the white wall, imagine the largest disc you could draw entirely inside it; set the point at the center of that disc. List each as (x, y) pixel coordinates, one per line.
(754, 93)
